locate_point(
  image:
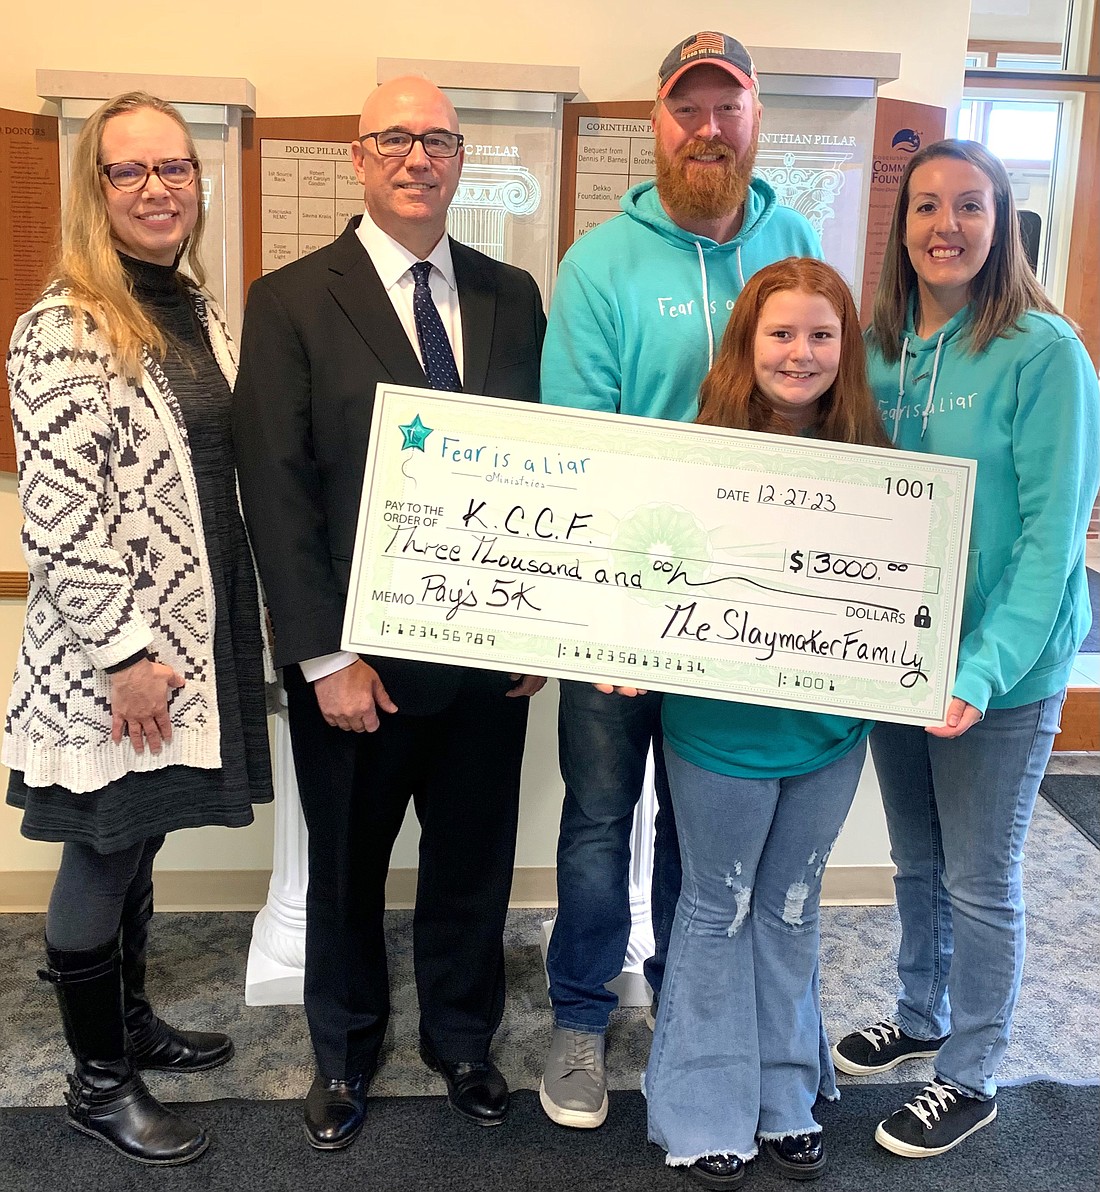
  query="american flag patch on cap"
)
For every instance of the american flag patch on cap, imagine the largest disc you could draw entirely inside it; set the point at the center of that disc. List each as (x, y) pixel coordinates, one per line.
(703, 43)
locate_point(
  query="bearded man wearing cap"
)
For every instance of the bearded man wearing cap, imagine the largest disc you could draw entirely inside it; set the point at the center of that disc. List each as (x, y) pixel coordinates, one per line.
(639, 308)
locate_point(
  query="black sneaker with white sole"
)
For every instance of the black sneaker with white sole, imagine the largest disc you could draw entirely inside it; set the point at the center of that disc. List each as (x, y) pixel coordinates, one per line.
(881, 1047)
(937, 1119)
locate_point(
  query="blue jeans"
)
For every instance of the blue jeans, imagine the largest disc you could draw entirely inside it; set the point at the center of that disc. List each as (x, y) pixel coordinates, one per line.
(958, 812)
(603, 742)
(737, 1051)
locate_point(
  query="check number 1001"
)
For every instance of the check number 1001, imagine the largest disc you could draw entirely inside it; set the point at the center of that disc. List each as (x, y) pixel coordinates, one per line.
(902, 486)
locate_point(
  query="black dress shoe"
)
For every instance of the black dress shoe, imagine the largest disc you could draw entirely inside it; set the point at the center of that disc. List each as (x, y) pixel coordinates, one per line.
(798, 1157)
(334, 1112)
(475, 1089)
(718, 1171)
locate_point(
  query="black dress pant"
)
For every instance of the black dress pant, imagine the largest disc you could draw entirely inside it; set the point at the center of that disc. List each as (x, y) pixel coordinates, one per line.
(461, 767)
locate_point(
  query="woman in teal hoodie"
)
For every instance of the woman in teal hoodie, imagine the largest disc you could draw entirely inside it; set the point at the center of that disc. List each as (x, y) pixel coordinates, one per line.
(968, 357)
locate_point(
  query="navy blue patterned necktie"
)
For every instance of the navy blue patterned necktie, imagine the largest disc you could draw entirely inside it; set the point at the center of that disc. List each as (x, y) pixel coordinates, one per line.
(435, 347)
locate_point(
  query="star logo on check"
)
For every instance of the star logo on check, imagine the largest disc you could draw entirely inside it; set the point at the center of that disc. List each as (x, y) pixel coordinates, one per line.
(415, 433)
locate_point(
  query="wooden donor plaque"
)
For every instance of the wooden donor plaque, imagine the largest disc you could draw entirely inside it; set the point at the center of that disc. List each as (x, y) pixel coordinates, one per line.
(30, 219)
(299, 189)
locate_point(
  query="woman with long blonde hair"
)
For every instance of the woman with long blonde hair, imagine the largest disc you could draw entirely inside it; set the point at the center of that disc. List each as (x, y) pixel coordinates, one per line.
(138, 701)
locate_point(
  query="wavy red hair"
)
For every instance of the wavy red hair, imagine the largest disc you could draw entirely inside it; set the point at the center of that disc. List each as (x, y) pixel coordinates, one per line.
(847, 412)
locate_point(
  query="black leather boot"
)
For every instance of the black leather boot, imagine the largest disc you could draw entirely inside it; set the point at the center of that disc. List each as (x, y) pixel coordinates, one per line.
(156, 1046)
(106, 1097)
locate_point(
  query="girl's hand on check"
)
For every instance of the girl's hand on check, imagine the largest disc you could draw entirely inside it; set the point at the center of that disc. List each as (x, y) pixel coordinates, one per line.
(611, 689)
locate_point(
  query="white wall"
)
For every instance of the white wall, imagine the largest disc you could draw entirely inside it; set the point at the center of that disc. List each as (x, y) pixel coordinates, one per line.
(1019, 20)
(325, 66)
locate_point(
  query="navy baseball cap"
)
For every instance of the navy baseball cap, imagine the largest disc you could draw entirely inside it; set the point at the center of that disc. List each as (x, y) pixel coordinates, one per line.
(711, 49)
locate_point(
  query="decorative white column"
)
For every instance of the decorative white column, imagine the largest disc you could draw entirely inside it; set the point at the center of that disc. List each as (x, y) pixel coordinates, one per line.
(630, 986)
(277, 954)
(487, 197)
(807, 180)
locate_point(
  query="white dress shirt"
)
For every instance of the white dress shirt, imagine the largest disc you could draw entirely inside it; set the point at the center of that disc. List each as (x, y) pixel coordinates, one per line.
(393, 264)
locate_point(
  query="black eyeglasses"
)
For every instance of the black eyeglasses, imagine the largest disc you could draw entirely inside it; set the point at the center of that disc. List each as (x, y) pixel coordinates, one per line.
(396, 142)
(133, 175)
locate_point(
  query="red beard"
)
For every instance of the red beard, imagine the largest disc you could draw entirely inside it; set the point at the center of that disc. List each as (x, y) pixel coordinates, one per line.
(705, 193)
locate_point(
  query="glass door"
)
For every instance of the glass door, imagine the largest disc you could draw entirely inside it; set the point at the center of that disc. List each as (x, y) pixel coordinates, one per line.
(1032, 134)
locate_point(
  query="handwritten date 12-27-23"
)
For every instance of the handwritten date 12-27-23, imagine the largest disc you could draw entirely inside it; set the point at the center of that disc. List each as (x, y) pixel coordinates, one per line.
(801, 498)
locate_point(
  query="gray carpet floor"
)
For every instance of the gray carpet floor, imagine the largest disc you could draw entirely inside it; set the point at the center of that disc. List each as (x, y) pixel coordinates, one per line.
(197, 979)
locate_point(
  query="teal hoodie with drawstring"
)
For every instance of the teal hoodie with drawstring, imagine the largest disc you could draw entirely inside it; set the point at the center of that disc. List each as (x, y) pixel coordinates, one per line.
(1027, 409)
(639, 310)
(640, 304)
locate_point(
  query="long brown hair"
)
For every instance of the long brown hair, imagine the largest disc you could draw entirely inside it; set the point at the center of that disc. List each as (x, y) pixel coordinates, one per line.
(1005, 288)
(728, 396)
(88, 265)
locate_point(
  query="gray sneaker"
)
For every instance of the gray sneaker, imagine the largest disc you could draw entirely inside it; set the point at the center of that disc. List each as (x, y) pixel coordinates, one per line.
(650, 1014)
(574, 1086)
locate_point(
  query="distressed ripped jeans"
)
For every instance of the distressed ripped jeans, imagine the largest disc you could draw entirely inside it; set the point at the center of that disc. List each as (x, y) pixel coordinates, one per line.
(737, 1054)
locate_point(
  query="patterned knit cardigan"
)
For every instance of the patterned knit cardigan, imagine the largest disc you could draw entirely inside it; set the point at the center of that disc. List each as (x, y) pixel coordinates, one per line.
(114, 544)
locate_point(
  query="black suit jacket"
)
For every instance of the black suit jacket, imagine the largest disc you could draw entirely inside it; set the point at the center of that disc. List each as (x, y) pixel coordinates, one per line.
(319, 334)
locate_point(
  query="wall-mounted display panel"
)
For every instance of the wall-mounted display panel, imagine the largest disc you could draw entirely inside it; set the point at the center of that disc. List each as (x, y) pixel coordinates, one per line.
(30, 214)
(816, 151)
(300, 188)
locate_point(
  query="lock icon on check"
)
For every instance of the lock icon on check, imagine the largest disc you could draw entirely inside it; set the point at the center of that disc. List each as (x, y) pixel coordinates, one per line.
(923, 619)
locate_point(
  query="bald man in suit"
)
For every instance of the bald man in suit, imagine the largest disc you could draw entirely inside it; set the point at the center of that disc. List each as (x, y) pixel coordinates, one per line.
(393, 299)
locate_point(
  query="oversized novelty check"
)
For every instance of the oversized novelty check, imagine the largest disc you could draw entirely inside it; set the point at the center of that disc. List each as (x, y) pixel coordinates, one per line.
(652, 554)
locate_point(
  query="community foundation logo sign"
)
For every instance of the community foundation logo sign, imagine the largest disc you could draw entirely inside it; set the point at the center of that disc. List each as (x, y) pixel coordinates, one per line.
(906, 139)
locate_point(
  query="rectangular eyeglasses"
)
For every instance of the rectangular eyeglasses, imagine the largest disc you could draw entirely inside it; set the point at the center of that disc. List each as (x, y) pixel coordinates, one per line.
(396, 142)
(133, 175)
